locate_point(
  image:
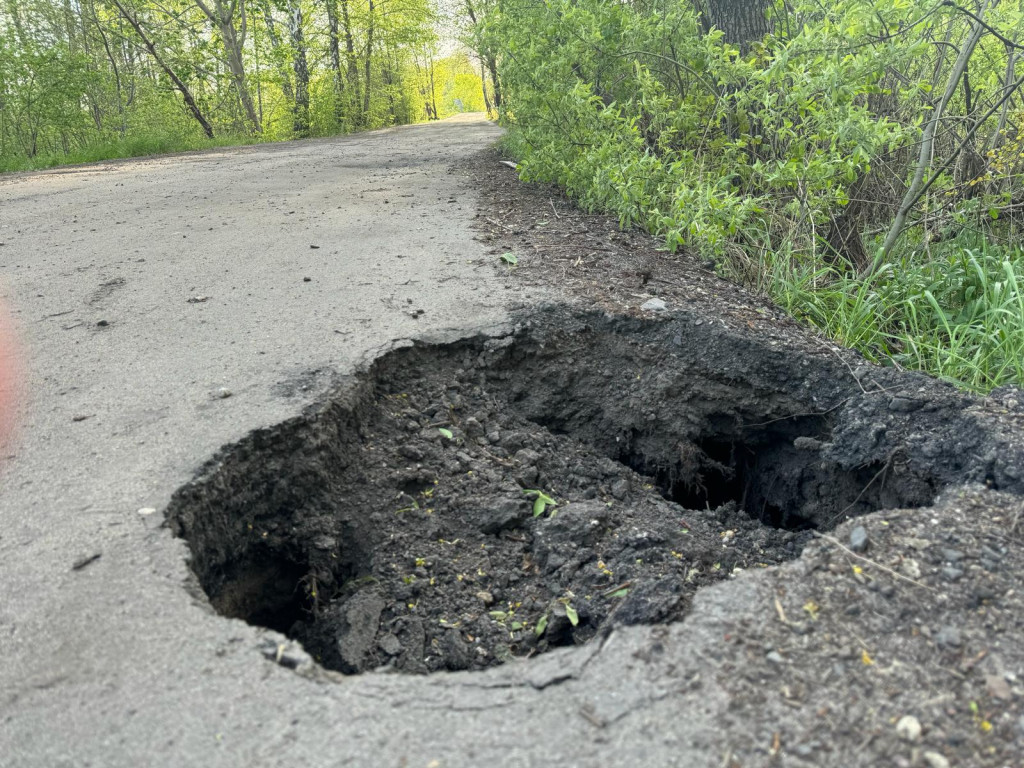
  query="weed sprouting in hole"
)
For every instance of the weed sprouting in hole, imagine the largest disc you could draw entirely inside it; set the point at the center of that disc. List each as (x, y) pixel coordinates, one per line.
(541, 502)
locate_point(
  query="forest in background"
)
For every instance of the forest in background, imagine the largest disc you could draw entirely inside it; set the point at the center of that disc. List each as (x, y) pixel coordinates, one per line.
(85, 80)
(858, 161)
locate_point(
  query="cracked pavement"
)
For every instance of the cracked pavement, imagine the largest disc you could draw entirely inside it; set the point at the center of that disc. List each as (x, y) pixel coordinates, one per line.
(142, 289)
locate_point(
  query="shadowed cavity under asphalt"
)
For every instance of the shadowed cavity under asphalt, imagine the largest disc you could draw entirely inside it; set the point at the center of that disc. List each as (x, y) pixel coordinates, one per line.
(458, 505)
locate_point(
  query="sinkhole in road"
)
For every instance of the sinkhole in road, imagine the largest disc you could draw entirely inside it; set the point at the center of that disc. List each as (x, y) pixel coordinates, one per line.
(457, 505)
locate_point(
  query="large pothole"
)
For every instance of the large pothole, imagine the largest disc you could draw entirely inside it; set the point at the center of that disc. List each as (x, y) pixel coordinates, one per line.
(462, 504)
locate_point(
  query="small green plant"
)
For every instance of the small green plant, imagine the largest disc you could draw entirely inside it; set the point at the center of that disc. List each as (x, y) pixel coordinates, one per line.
(446, 433)
(541, 502)
(510, 258)
(542, 625)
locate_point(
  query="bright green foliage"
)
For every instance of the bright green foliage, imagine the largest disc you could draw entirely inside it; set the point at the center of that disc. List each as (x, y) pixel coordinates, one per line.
(781, 158)
(79, 82)
(958, 314)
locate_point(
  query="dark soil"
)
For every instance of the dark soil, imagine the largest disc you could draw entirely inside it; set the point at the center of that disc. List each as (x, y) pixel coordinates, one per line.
(395, 524)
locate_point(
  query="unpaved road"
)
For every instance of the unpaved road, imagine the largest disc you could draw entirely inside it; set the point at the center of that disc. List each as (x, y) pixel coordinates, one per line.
(143, 289)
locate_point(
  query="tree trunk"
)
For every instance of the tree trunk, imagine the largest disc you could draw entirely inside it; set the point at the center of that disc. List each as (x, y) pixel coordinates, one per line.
(275, 42)
(742, 21)
(917, 186)
(334, 47)
(433, 90)
(483, 85)
(366, 66)
(182, 88)
(301, 122)
(350, 54)
(486, 57)
(492, 65)
(122, 127)
(223, 16)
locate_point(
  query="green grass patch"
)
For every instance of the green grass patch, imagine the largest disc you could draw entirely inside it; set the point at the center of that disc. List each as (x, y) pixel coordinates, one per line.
(136, 146)
(956, 312)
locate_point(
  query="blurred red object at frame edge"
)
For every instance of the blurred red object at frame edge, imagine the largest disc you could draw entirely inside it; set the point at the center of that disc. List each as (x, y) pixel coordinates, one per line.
(10, 381)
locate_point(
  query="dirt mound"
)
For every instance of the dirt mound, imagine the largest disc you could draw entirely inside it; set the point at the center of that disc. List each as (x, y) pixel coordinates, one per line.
(458, 505)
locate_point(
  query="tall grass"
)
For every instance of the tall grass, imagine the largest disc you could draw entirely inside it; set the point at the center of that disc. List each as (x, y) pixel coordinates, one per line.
(956, 312)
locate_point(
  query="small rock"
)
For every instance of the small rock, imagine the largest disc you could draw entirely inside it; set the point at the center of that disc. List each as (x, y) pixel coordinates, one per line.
(493, 437)
(910, 568)
(223, 393)
(485, 597)
(473, 427)
(307, 279)
(526, 457)
(904, 405)
(949, 573)
(935, 760)
(411, 452)
(807, 444)
(997, 687)
(287, 654)
(653, 305)
(390, 645)
(147, 510)
(358, 620)
(102, 324)
(554, 562)
(952, 555)
(527, 477)
(504, 514)
(859, 539)
(513, 441)
(620, 489)
(948, 637)
(909, 728)
(775, 658)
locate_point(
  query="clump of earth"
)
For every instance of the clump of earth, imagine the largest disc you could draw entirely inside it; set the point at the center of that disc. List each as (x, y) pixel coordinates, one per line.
(497, 538)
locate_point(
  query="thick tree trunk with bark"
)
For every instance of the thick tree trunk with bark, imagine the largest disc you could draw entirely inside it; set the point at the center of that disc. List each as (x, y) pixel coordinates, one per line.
(742, 21)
